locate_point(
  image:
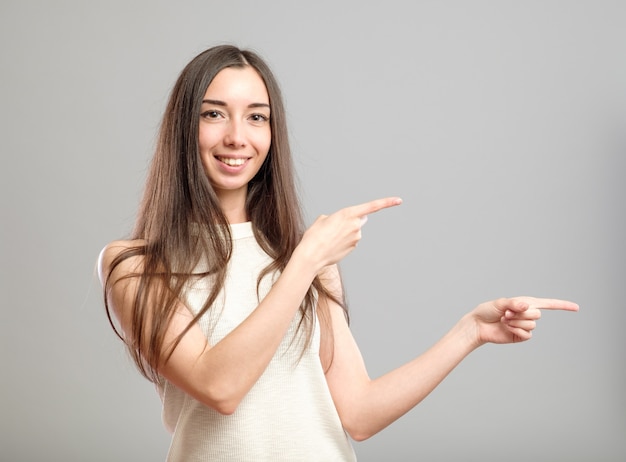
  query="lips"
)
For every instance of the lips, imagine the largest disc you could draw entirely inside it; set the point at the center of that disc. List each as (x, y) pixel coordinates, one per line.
(233, 161)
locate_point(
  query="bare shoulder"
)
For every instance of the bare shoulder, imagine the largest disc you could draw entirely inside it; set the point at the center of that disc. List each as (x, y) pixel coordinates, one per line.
(109, 254)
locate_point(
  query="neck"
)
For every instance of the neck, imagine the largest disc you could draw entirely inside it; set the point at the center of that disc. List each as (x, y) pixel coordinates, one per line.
(233, 205)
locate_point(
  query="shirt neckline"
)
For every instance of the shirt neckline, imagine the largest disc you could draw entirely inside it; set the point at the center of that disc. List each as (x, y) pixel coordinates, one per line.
(241, 230)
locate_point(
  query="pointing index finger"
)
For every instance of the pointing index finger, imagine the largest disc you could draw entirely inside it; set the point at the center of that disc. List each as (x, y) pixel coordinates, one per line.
(366, 208)
(554, 304)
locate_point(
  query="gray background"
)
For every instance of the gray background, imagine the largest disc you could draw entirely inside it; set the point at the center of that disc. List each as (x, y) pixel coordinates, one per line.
(501, 124)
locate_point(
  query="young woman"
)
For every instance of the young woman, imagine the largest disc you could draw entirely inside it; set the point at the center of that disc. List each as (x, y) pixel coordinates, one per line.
(235, 310)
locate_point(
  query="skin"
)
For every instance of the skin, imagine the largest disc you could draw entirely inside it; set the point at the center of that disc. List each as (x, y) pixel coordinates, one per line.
(234, 126)
(221, 375)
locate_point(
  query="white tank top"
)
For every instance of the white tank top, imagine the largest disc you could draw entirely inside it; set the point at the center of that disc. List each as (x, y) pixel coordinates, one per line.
(288, 415)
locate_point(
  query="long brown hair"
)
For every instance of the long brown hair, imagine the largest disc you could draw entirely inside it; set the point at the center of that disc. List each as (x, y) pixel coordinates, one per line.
(179, 199)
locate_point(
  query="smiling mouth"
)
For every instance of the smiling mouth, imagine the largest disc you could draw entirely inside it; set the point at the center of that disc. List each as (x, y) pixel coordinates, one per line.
(232, 162)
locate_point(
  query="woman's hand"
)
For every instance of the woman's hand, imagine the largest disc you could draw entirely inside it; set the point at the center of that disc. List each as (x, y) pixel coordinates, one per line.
(510, 320)
(331, 237)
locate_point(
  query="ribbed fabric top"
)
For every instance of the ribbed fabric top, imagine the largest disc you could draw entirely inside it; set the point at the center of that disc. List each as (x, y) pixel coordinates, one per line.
(288, 415)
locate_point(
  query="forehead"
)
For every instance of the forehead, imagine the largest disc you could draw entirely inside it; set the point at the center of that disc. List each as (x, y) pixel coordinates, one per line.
(238, 83)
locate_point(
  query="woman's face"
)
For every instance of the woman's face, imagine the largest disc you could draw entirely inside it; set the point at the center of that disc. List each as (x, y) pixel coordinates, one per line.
(235, 134)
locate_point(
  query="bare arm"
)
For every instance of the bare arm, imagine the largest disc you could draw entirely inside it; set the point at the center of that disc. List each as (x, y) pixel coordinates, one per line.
(221, 375)
(366, 406)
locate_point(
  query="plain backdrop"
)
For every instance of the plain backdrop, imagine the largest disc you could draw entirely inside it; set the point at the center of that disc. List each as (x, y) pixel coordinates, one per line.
(500, 123)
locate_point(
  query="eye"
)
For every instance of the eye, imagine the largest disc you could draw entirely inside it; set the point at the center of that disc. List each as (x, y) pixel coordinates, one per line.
(258, 118)
(211, 114)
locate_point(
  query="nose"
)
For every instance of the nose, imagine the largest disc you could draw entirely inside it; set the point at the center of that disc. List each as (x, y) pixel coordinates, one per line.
(235, 136)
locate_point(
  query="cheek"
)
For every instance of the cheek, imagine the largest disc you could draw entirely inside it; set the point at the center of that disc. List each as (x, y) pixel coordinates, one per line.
(206, 139)
(264, 142)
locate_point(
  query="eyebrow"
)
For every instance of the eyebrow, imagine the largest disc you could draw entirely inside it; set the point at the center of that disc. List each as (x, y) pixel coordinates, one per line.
(217, 102)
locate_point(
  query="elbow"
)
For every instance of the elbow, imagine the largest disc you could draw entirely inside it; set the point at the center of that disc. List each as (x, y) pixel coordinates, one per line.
(358, 430)
(226, 405)
(358, 421)
(225, 409)
(222, 400)
(223, 406)
(359, 435)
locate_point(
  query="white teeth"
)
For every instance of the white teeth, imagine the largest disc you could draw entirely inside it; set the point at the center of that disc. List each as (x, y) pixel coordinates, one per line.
(232, 162)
